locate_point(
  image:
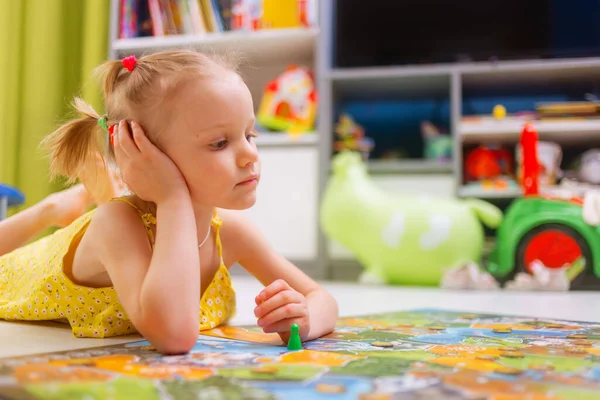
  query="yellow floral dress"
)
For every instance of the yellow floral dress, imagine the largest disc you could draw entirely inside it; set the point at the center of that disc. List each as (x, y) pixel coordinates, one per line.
(34, 286)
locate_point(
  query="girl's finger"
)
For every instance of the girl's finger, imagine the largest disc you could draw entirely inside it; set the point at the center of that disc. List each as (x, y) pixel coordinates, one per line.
(271, 290)
(125, 141)
(141, 140)
(280, 299)
(284, 325)
(287, 311)
(117, 149)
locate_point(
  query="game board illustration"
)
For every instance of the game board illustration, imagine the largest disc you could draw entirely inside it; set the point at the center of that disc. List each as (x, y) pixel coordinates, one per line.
(417, 354)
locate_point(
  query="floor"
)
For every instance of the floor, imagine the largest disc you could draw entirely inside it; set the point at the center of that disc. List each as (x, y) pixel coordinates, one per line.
(19, 338)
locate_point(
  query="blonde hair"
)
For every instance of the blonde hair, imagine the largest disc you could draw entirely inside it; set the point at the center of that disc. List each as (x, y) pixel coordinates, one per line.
(135, 95)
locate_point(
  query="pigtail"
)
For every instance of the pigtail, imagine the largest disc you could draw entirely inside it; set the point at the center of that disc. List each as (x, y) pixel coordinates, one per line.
(76, 143)
(110, 73)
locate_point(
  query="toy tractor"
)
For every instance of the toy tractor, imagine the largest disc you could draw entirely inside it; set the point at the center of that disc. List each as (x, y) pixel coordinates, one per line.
(547, 228)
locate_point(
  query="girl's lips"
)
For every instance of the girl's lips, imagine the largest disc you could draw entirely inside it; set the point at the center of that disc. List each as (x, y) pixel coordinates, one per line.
(249, 182)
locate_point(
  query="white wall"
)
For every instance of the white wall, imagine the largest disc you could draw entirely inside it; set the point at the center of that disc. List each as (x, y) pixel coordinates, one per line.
(286, 207)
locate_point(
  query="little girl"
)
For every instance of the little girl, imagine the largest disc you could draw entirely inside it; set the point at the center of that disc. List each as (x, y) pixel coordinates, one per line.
(156, 262)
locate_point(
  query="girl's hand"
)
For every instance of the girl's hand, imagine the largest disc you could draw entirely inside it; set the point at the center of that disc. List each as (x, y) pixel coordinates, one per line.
(146, 170)
(278, 307)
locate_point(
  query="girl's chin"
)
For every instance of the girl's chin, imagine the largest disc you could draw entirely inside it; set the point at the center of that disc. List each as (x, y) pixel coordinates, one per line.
(242, 202)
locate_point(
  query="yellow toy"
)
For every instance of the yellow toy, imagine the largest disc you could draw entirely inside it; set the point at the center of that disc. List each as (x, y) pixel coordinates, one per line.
(499, 111)
(289, 102)
(278, 14)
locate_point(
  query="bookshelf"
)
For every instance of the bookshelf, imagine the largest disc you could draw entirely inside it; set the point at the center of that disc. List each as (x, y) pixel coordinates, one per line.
(260, 46)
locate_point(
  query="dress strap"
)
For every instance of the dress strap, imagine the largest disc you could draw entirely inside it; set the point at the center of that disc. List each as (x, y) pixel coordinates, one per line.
(216, 223)
(147, 218)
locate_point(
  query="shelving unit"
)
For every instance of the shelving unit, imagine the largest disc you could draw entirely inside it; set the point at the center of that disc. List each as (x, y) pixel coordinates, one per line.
(260, 46)
(459, 80)
(489, 194)
(408, 166)
(503, 131)
(286, 140)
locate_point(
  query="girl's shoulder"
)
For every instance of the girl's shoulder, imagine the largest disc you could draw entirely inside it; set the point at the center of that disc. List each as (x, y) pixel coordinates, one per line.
(123, 216)
(126, 207)
(238, 233)
(233, 222)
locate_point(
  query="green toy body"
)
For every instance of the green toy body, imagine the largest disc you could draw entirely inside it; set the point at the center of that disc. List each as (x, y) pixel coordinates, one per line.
(561, 221)
(294, 343)
(398, 239)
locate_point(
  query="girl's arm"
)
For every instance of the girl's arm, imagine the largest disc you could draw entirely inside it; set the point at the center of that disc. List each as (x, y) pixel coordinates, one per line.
(23, 226)
(160, 289)
(56, 210)
(290, 296)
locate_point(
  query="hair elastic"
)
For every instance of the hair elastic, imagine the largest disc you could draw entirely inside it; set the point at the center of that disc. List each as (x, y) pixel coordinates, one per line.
(102, 121)
(129, 62)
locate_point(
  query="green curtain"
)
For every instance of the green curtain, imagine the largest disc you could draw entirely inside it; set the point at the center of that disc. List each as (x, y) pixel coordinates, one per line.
(48, 48)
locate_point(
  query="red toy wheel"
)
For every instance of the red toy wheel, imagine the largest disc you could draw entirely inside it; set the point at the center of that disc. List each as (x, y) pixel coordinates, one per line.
(554, 245)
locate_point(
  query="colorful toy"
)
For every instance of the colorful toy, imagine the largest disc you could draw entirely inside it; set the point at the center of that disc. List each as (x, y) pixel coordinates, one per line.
(549, 156)
(9, 197)
(468, 276)
(290, 102)
(547, 228)
(499, 111)
(486, 162)
(438, 146)
(351, 136)
(294, 343)
(401, 239)
(415, 354)
(588, 167)
(246, 15)
(278, 14)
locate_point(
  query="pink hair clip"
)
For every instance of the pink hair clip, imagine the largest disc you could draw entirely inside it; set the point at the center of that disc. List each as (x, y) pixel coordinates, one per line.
(129, 62)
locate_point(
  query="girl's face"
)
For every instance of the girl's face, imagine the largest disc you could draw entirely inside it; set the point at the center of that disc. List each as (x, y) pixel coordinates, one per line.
(210, 138)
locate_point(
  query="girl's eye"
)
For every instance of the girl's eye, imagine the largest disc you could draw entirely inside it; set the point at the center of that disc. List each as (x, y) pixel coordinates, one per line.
(219, 145)
(251, 135)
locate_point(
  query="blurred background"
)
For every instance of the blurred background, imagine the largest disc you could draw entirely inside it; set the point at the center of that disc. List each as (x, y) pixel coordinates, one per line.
(433, 96)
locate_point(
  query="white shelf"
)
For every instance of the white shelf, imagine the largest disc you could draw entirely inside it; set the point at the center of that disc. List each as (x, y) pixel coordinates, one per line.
(409, 166)
(268, 139)
(564, 66)
(481, 193)
(509, 130)
(267, 44)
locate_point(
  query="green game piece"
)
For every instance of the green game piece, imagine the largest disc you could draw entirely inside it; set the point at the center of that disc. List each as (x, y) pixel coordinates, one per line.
(294, 343)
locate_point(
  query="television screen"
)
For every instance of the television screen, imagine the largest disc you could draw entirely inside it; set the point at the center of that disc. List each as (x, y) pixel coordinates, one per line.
(401, 32)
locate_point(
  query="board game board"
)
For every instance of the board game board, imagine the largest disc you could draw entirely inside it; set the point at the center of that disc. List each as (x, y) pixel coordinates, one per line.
(417, 354)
